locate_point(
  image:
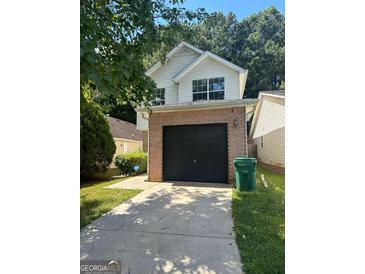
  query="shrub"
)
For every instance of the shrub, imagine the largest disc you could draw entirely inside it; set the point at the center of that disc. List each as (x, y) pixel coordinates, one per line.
(127, 162)
(97, 146)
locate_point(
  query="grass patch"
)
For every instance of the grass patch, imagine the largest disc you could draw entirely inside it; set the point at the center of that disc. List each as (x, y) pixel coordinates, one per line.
(95, 200)
(259, 224)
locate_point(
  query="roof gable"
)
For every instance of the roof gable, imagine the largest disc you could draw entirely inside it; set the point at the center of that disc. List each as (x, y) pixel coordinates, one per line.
(182, 48)
(203, 57)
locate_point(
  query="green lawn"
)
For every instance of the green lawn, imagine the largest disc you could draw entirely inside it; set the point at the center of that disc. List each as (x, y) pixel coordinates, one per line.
(259, 224)
(95, 200)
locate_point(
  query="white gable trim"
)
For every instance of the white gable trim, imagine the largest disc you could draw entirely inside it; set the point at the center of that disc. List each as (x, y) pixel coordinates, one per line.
(171, 54)
(201, 58)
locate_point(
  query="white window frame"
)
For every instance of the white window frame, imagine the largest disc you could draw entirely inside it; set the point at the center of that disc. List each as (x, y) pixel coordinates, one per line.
(213, 91)
(199, 92)
(154, 101)
(207, 91)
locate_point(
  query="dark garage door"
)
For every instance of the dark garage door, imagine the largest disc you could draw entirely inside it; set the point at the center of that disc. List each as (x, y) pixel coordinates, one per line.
(195, 153)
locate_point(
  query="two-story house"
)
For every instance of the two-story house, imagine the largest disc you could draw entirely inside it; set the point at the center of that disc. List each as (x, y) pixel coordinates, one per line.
(197, 122)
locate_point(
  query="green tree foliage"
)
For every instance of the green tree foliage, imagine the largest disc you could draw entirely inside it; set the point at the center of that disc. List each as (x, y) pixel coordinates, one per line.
(263, 50)
(256, 43)
(97, 146)
(218, 34)
(115, 37)
(110, 104)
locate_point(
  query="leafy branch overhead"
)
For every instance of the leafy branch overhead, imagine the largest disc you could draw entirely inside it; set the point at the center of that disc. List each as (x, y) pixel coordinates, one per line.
(116, 35)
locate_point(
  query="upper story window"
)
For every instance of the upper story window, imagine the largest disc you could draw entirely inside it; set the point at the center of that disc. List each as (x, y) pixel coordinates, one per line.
(216, 89)
(159, 98)
(200, 89)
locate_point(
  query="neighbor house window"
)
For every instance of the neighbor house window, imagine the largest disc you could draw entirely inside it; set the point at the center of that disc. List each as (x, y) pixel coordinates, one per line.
(200, 89)
(216, 88)
(215, 91)
(159, 98)
(125, 150)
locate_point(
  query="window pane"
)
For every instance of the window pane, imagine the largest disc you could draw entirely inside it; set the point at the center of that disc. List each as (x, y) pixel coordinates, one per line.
(216, 95)
(216, 83)
(159, 98)
(200, 96)
(199, 85)
(216, 88)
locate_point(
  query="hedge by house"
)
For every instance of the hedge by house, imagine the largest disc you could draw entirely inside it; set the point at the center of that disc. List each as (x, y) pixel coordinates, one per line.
(97, 146)
(127, 162)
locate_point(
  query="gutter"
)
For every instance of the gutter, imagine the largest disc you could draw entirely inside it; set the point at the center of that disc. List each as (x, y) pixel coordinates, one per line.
(199, 106)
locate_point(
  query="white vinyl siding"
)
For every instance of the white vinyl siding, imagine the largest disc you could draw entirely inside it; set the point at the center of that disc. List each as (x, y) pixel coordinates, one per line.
(163, 76)
(242, 84)
(210, 69)
(273, 150)
(142, 124)
(179, 93)
(271, 116)
(269, 132)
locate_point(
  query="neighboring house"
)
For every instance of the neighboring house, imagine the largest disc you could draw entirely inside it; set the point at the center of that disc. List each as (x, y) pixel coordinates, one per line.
(268, 128)
(126, 136)
(197, 122)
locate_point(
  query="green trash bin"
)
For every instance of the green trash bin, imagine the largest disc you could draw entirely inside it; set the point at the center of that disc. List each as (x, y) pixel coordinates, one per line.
(245, 169)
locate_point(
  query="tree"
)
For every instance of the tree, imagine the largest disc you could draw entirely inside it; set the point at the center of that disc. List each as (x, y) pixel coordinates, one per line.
(256, 43)
(116, 35)
(262, 39)
(218, 34)
(96, 142)
(110, 104)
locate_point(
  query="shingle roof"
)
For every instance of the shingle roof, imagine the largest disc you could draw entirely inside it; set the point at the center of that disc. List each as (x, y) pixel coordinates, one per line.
(123, 129)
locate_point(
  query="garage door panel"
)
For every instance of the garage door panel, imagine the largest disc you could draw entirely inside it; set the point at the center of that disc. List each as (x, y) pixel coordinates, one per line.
(195, 153)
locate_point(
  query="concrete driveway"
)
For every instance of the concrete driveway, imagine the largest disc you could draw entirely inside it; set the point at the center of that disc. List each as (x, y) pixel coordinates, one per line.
(168, 228)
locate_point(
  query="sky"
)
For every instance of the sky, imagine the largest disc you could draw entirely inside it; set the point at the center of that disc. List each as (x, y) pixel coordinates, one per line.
(242, 8)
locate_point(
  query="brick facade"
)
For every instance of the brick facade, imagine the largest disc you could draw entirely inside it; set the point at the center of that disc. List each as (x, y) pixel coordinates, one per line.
(236, 130)
(145, 140)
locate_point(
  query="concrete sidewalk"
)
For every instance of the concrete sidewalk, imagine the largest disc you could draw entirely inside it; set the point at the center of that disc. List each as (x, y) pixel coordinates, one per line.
(168, 228)
(136, 182)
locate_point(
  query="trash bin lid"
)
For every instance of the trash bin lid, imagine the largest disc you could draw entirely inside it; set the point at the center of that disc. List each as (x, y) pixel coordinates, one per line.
(245, 159)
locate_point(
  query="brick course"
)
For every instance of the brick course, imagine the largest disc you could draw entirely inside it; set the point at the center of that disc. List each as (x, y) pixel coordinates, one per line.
(236, 130)
(145, 140)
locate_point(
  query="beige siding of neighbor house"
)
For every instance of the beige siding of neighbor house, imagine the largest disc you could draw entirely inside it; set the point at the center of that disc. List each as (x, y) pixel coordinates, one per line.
(163, 76)
(271, 148)
(126, 146)
(209, 68)
(123, 146)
